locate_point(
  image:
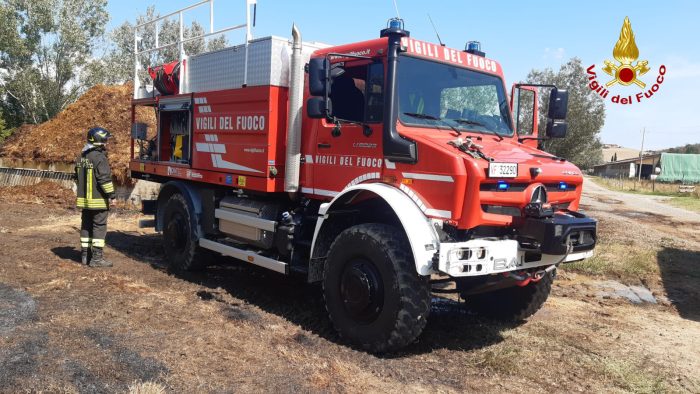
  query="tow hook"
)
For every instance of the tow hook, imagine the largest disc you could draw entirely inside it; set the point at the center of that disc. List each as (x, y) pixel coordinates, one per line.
(524, 278)
(537, 276)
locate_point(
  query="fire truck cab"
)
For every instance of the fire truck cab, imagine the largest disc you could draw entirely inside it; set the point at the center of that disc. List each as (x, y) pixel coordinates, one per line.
(377, 168)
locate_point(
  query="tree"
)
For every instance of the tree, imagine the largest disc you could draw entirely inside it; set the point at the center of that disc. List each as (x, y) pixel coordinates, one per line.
(3, 132)
(586, 114)
(44, 47)
(688, 148)
(117, 66)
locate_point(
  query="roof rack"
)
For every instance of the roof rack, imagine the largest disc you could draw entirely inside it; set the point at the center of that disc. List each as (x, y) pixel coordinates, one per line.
(182, 40)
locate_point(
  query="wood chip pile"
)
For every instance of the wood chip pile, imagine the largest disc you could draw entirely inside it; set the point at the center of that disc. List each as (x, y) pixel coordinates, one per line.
(62, 138)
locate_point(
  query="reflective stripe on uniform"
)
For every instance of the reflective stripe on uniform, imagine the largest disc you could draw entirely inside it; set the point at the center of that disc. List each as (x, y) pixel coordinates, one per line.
(88, 190)
(91, 203)
(85, 242)
(98, 243)
(108, 187)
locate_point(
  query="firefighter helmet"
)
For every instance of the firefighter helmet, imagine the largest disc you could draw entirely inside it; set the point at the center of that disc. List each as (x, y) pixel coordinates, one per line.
(98, 136)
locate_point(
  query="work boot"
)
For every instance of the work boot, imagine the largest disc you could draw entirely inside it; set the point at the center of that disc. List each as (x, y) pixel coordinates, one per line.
(98, 259)
(84, 256)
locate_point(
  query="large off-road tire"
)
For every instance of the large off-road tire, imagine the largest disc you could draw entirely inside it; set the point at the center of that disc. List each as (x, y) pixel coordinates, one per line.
(374, 296)
(512, 304)
(179, 239)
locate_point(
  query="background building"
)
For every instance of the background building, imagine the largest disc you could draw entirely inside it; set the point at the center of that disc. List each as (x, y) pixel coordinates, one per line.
(675, 167)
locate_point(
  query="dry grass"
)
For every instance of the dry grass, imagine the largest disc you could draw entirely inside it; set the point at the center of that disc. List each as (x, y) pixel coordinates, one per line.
(623, 253)
(632, 376)
(689, 203)
(645, 187)
(146, 388)
(626, 262)
(237, 328)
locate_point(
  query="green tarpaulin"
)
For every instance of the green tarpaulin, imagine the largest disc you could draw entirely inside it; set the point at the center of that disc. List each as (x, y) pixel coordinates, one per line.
(680, 167)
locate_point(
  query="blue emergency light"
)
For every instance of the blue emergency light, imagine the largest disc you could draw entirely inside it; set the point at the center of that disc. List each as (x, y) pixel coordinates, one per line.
(396, 23)
(563, 186)
(474, 47)
(502, 185)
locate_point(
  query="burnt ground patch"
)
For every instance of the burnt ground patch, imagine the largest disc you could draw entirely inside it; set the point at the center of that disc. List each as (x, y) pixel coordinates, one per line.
(232, 310)
(16, 307)
(83, 379)
(21, 361)
(240, 288)
(680, 274)
(129, 364)
(143, 248)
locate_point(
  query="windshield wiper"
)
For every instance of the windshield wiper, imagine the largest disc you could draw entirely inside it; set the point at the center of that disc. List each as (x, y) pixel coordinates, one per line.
(470, 122)
(475, 123)
(431, 117)
(420, 116)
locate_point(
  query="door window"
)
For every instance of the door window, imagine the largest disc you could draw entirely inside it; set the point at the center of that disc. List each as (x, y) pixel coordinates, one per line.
(358, 93)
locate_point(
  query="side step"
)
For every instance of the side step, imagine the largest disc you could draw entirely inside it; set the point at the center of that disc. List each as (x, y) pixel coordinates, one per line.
(245, 255)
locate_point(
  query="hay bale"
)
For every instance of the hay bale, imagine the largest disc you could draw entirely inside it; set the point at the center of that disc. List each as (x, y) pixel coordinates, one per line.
(61, 138)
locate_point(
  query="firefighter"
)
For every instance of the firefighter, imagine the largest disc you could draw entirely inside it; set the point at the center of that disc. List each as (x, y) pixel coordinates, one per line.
(95, 195)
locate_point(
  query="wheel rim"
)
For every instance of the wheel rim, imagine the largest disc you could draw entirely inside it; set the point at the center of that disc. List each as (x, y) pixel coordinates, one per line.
(362, 290)
(176, 233)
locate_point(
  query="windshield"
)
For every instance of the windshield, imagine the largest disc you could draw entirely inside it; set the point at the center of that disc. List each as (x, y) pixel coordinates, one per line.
(440, 95)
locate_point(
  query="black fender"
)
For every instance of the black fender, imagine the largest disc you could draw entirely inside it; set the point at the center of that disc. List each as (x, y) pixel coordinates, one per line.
(192, 196)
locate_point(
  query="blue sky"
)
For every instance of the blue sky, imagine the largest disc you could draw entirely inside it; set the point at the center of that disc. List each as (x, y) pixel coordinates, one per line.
(520, 35)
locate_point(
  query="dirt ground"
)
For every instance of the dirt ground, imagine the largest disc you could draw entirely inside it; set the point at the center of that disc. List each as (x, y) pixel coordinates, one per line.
(66, 328)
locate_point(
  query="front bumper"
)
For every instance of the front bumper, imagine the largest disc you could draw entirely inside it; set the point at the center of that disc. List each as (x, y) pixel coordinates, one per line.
(554, 235)
(548, 241)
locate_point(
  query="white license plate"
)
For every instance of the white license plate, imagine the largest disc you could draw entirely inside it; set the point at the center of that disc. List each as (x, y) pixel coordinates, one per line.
(503, 170)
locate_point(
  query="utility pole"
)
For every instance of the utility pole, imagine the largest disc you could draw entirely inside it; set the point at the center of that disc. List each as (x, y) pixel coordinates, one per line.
(641, 154)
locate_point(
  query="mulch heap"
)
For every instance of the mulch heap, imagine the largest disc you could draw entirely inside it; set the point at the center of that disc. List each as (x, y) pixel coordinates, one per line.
(62, 138)
(44, 193)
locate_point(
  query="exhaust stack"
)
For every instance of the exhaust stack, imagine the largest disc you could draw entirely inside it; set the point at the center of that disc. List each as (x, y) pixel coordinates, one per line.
(296, 97)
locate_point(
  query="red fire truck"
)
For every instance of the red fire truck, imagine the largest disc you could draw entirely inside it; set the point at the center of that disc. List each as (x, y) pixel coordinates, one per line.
(378, 168)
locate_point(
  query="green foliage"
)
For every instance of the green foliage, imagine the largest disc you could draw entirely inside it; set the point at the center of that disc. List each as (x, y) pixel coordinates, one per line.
(117, 66)
(3, 132)
(586, 114)
(44, 48)
(687, 148)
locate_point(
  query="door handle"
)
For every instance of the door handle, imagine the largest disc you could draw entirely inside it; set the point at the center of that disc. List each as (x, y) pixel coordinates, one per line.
(324, 146)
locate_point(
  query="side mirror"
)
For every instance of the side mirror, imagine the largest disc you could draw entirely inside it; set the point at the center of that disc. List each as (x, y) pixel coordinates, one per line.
(319, 77)
(558, 104)
(318, 107)
(556, 128)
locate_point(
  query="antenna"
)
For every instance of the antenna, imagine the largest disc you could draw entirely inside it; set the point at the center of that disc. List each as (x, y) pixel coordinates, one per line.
(397, 10)
(436, 31)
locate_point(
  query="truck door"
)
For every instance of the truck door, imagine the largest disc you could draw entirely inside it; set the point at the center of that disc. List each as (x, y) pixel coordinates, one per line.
(349, 150)
(524, 102)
